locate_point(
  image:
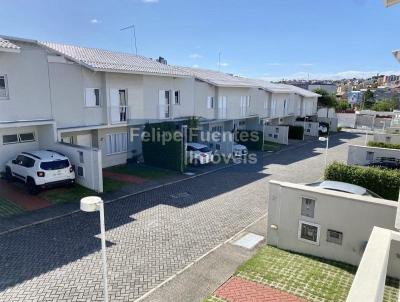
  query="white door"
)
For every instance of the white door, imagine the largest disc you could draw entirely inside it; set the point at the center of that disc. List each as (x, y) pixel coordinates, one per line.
(222, 107)
(114, 106)
(164, 104)
(84, 140)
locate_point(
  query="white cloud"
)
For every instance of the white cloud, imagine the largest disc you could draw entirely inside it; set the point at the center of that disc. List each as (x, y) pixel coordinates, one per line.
(195, 56)
(195, 66)
(223, 64)
(94, 21)
(305, 64)
(349, 74)
(150, 1)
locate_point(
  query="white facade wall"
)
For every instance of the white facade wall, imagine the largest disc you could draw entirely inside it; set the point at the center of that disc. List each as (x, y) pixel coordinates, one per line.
(363, 155)
(387, 138)
(28, 85)
(233, 100)
(202, 91)
(309, 106)
(277, 134)
(354, 216)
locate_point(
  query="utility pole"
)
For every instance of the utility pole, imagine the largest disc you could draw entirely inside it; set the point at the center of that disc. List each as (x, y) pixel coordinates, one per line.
(133, 36)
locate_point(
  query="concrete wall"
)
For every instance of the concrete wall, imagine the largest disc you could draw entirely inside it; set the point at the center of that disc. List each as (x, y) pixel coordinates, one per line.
(309, 106)
(387, 138)
(332, 121)
(113, 159)
(310, 128)
(277, 134)
(354, 216)
(327, 113)
(28, 84)
(359, 155)
(347, 120)
(393, 130)
(202, 91)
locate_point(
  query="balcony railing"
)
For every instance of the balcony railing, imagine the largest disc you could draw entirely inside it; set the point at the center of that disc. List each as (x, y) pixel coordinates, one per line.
(119, 114)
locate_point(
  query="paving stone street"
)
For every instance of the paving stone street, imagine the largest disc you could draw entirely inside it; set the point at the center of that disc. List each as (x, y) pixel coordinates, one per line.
(150, 236)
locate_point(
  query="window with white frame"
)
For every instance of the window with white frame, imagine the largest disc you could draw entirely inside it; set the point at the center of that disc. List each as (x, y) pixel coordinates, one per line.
(92, 97)
(273, 108)
(222, 107)
(210, 102)
(244, 105)
(3, 87)
(117, 143)
(16, 138)
(177, 97)
(309, 232)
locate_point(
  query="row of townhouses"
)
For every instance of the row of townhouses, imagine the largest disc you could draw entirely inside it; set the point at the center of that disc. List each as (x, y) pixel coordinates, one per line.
(87, 97)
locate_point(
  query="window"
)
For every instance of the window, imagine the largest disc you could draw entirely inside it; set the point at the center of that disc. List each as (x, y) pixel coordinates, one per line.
(117, 143)
(276, 130)
(92, 97)
(222, 107)
(80, 171)
(10, 139)
(26, 137)
(68, 140)
(334, 237)
(210, 102)
(164, 101)
(3, 87)
(307, 207)
(309, 232)
(177, 97)
(55, 165)
(81, 159)
(244, 105)
(370, 156)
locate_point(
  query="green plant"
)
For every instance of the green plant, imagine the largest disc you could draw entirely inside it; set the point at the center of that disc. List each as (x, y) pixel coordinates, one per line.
(296, 132)
(252, 139)
(384, 182)
(383, 145)
(326, 99)
(338, 129)
(162, 146)
(193, 129)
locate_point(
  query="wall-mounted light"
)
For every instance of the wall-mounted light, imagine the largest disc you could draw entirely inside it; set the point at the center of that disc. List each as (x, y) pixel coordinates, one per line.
(274, 226)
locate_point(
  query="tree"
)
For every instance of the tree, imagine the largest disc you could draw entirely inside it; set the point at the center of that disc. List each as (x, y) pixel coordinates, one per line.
(369, 99)
(386, 105)
(342, 105)
(326, 99)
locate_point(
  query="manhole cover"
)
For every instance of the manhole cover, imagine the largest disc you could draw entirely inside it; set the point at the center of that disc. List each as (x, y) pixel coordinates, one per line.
(249, 241)
(180, 195)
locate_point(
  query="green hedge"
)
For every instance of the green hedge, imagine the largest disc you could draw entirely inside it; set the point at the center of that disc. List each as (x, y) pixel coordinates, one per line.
(252, 139)
(296, 132)
(383, 145)
(168, 154)
(383, 182)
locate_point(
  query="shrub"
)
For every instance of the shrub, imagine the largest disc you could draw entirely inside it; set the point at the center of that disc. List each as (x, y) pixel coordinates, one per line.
(384, 182)
(383, 145)
(296, 132)
(167, 154)
(252, 139)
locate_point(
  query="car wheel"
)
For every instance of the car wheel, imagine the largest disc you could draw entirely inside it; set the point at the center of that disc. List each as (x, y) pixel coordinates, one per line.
(32, 187)
(8, 175)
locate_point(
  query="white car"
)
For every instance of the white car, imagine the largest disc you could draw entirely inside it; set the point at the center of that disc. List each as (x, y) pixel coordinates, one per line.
(240, 150)
(41, 169)
(343, 187)
(198, 154)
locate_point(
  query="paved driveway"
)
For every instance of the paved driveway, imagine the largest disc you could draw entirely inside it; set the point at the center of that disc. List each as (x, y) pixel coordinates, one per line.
(150, 236)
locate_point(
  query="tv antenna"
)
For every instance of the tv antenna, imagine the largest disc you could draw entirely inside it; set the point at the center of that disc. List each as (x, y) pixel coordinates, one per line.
(133, 36)
(219, 61)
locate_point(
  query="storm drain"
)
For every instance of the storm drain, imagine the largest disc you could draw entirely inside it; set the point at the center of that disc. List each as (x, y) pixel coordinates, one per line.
(249, 241)
(180, 195)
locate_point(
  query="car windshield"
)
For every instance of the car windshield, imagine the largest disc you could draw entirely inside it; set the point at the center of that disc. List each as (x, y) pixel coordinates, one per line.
(55, 165)
(205, 149)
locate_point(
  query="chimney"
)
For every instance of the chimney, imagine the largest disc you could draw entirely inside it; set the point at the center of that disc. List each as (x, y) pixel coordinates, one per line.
(162, 60)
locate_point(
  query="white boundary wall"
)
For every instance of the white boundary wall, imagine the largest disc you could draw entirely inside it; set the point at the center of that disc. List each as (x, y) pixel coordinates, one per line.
(347, 120)
(310, 128)
(277, 134)
(364, 155)
(354, 216)
(387, 138)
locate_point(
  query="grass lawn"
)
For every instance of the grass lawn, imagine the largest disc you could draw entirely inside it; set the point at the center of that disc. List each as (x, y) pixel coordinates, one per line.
(7, 208)
(75, 193)
(141, 171)
(271, 146)
(311, 278)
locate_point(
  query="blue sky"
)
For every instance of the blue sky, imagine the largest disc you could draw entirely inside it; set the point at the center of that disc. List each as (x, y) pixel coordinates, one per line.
(268, 39)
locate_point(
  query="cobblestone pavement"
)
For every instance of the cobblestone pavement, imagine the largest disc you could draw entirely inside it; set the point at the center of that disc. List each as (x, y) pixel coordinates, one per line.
(150, 236)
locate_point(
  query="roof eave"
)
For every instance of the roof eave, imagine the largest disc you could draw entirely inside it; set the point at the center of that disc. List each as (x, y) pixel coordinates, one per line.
(141, 73)
(10, 50)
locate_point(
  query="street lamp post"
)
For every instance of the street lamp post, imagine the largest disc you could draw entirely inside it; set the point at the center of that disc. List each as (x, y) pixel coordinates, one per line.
(325, 139)
(94, 204)
(366, 134)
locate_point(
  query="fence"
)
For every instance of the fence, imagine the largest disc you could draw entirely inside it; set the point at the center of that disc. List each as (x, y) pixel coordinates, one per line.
(310, 128)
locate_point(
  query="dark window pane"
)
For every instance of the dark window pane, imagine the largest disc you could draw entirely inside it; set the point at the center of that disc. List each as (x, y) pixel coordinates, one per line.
(10, 139)
(55, 165)
(27, 137)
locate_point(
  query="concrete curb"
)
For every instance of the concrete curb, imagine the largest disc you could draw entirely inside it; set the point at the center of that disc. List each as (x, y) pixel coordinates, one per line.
(144, 296)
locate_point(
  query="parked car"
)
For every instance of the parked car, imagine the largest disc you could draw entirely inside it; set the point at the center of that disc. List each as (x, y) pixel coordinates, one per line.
(343, 187)
(240, 150)
(388, 164)
(198, 154)
(41, 169)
